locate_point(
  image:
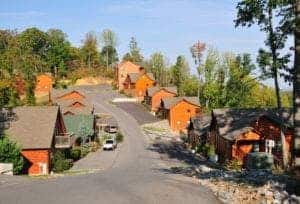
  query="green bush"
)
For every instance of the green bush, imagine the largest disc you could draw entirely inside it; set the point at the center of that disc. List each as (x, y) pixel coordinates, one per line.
(84, 151)
(210, 150)
(10, 152)
(234, 164)
(75, 154)
(119, 137)
(60, 163)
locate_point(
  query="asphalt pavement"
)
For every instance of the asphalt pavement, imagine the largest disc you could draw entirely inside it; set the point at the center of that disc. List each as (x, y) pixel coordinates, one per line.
(133, 174)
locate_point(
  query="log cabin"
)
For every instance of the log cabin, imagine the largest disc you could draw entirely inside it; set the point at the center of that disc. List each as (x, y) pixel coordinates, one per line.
(39, 130)
(123, 69)
(236, 132)
(155, 94)
(136, 84)
(179, 111)
(71, 102)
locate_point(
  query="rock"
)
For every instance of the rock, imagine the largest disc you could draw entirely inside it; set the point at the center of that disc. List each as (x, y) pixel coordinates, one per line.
(204, 169)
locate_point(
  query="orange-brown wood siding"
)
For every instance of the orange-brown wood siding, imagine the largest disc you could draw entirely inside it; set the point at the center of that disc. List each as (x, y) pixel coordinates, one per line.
(142, 84)
(35, 158)
(43, 84)
(122, 72)
(264, 129)
(156, 98)
(181, 113)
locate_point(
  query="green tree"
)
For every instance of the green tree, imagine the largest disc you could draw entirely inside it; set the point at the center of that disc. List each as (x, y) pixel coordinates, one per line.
(180, 72)
(134, 54)
(34, 41)
(212, 74)
(89, 50)
(10, 152)
(190, 86)
(58, 52)
(112, 54)
(239, 83)
(263, 14)
(157, 66)
(109, 42)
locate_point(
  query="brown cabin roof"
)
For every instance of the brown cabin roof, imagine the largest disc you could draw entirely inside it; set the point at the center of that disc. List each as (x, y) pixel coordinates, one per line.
(65, 103)
(232, 123)
(135, 76)
(127, 64)
(76, 111)
(34, 126)
(58, 93)
(152, 90)
(169, 102)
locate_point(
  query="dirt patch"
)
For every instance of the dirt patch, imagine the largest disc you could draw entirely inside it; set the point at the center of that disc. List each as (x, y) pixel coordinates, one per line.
(93, 81)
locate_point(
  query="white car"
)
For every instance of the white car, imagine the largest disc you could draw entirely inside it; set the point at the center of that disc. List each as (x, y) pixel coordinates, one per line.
(110, 144)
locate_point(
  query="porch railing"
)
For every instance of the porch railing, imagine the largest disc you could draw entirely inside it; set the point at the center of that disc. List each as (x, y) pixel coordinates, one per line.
(63, 141)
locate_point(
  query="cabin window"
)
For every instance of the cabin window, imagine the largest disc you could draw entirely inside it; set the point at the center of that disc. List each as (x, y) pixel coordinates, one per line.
(278, 146)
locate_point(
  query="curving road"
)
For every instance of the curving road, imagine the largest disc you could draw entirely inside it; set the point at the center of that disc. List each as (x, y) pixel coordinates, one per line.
(133, 174)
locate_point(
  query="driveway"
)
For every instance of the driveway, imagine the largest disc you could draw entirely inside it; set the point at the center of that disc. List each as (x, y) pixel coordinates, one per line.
(135, 175)
(138, 111)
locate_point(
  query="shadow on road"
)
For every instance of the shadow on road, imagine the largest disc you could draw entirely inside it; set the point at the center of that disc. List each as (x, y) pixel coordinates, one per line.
(198, 167)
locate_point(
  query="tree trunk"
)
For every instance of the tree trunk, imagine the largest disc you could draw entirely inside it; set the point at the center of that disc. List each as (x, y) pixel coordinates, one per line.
(277, 90)
(297, 74)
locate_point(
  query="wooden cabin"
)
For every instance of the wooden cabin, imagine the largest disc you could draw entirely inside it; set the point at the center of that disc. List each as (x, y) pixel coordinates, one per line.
(72, 102)
(125, 68)
(179, 111)
(39, 130)
(155, 94)
(44, 83)
(236, 132)
(198, 130)
(136, 84)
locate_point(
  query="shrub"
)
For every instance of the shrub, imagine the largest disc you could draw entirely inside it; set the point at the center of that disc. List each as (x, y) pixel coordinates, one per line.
(210, 150)
(60, 163)
(84, 151)
(233, 164)
(119, 137)
(10, 152)
(95, 146)
(207, 149)
(75, 154)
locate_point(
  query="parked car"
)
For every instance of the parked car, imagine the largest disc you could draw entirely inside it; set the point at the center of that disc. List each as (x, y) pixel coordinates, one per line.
(111, 129)
(110, 144)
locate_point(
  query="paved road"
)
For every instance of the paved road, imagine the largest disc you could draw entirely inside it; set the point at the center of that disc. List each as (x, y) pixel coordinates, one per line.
(138, 111)
(134, 175)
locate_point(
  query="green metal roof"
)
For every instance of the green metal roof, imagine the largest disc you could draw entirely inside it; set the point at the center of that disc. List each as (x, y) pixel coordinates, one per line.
(80, 125)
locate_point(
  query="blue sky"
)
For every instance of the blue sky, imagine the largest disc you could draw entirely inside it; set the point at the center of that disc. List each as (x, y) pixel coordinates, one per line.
(169, 26)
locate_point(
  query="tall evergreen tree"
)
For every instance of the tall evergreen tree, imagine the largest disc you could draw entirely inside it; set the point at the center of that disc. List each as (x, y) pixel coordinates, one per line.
(180, 72)
(134, 54)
